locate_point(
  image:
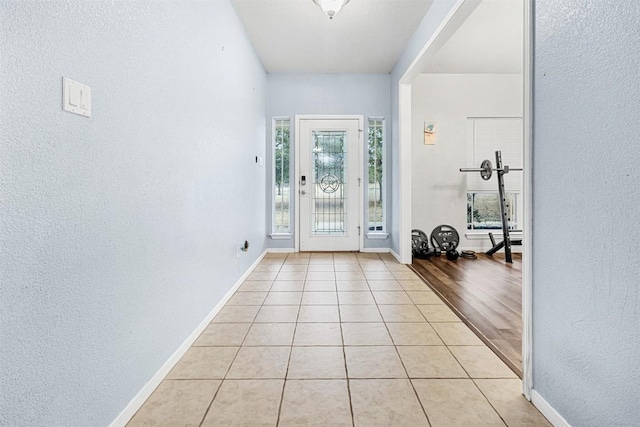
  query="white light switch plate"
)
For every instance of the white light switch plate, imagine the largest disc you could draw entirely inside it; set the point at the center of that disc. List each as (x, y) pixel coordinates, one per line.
(76, 97)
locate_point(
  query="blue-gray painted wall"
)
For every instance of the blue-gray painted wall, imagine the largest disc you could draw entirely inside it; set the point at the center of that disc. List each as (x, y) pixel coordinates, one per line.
(329, 94)
(119, 232)
(586, 235)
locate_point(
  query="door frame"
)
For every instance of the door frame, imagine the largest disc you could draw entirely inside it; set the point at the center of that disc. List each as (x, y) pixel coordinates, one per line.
(457, 15)
(296, 178)
(527, 257)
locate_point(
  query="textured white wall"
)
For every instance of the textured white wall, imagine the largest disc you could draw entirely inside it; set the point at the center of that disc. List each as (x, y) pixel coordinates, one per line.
(586, 155)
(118, 232)
(329, 94)
(438, 189)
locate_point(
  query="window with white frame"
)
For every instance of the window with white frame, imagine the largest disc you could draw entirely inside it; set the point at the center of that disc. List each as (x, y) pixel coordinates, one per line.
(281, 187)
(375, 193)
(483, 211)
(486, 135)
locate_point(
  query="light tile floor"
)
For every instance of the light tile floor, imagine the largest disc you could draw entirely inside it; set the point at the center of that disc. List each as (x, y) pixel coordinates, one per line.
(337, 339)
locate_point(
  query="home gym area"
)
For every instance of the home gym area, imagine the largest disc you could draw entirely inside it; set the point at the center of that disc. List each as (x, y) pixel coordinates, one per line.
(467, 182)
(485, 288)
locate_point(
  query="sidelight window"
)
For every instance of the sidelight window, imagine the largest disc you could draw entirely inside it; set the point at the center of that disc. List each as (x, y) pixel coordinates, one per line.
(375, 182)
(281, 187)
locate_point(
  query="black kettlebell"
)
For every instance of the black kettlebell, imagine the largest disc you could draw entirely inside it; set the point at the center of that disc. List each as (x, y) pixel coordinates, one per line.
(453, 255)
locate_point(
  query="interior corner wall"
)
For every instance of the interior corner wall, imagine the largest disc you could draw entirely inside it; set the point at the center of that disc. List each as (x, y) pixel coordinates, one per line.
(119, 231)
(426, 29)
(586, 199)
(324, 94)
(439, 189)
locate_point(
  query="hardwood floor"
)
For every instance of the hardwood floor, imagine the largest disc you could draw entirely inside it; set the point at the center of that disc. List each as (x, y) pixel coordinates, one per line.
(487, 295)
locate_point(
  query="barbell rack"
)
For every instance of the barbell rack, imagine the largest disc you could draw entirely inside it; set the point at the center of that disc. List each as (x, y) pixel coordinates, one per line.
(486, 171)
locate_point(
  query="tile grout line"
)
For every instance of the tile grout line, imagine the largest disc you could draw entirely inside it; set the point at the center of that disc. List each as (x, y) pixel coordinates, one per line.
(458, 361)
(344, 358)
(286, 373)
(237, 352)
(340, 378)
(489, 402)
(206, 412)
(415, 392)
(474, 383)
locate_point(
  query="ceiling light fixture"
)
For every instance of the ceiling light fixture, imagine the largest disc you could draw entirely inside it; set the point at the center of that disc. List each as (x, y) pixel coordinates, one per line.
(331, 7)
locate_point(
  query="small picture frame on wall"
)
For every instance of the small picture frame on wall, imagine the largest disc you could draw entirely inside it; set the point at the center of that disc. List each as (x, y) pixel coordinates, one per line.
(430, 132)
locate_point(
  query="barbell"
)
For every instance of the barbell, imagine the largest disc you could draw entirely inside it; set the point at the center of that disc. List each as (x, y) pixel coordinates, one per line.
(486, 169)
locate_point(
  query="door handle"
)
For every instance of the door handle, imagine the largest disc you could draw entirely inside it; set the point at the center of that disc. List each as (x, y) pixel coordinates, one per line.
(303, 192)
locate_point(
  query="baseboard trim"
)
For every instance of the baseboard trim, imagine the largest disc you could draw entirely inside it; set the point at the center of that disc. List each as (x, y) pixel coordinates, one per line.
(367, 250)
(395, 255)
(376, 250)
(134, 405)
(547, 410)
(281, 250)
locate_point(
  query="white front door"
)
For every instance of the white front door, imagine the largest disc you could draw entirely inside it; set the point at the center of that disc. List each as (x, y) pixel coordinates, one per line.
(328, 183)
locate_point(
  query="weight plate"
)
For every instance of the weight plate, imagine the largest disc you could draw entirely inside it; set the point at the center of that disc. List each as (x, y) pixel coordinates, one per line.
(445, 238)
(487, 170)
(419, 244)
(468, 254)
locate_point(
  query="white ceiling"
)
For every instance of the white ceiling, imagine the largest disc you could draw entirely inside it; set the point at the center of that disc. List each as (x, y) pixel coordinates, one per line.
(295, 36)
(488, 41)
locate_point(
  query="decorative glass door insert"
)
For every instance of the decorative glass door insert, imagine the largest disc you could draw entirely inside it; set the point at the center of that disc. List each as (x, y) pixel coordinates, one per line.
(329, 159)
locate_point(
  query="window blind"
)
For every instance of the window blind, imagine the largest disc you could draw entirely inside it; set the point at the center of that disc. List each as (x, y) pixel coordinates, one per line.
(484, 137)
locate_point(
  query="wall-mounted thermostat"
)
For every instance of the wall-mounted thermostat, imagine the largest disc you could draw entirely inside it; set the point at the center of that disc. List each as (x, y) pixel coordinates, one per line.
(76, 97)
